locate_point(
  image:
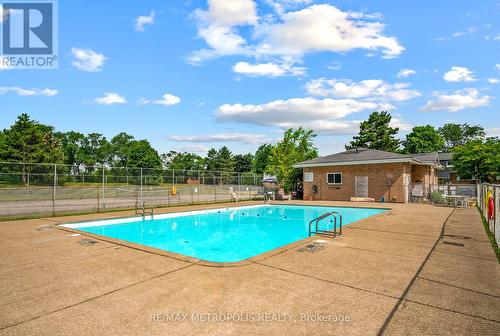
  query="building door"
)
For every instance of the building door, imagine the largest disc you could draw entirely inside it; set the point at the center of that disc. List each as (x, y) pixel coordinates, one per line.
(361, 186)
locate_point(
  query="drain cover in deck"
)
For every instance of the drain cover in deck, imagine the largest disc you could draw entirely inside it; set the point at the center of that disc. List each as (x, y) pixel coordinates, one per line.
(457, 236)
(87, 242)
(454, 244)
(311, 248)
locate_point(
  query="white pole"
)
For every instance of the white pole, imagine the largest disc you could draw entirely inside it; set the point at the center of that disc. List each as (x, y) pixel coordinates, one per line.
(103, 182)
(141, 186)
(54, 191)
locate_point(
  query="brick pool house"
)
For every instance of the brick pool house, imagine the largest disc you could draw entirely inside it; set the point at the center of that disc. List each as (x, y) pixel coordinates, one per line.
(369, 174)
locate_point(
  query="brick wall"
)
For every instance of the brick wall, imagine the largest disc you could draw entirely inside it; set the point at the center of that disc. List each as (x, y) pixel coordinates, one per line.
(424, 174)
(378, 177)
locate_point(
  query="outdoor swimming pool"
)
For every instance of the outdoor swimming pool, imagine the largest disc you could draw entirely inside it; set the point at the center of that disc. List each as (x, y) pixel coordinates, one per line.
(221, 235)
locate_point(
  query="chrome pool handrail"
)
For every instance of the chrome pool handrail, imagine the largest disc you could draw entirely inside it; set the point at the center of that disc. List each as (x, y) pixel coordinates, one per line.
(333, 233)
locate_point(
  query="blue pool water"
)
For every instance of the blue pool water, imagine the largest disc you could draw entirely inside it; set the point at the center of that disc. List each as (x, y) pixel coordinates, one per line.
(222, 235)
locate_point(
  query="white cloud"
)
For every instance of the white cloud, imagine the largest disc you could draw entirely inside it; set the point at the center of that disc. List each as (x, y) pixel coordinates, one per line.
(249, 138)
(143, 20)
(334, 65)
(324, 28)
(497, 66)
(467, 98)
(231, 13)
(289, 35)
(345, 127)
(459, 74)
(110, 98)
(280, 6)
(492, 132)
(284, 113)
(167, 100)
(404, 73)
(267, 69)
(322, 125)
(87, 60)
(493, 80)
(217, 26)
(143, 101)
(198, 148)
(371, 89)
(401, 124)
(470, 30)
(329, 127)
(28, 92)
(223, 42)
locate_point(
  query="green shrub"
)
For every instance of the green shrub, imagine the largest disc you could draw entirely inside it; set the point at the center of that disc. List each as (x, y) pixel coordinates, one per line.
(436, 197)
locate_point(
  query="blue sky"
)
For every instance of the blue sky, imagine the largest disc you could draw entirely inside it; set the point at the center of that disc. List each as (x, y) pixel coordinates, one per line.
(190, 75)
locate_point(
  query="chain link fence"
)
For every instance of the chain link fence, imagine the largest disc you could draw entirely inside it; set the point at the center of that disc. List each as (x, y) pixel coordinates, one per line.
(488, 201)
(450, 194)
(31, 188)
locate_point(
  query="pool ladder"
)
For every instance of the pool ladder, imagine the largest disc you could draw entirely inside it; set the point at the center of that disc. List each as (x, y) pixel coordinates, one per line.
(140, 209)
(329, 233)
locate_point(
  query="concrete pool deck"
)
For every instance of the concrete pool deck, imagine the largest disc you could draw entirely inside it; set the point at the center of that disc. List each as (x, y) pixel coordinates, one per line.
(416, 270)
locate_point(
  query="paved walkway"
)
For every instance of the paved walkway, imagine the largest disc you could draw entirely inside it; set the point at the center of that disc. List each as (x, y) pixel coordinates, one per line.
(457, 291)
(390, 274)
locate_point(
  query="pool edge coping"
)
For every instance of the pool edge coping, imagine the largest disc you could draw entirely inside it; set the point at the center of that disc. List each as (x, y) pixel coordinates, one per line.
(245, 262)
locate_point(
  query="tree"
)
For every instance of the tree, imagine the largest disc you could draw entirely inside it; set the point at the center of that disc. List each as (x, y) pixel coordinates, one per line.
(96, 149)
(120, 149)
(479, 159)
(226, 163)
(183, 161)
(423, 139)
(297, 145)
(243, 162)
(29, 141)
(211, 161)
(142, 155)
(72, 143)
(261, 160)
(376, 133)
(459, 134)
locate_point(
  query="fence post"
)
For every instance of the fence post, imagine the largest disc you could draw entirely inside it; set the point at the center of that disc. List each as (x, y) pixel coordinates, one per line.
(496, 232)
(98, 197)
(54, 191)
(103, 183)
(221, 185)
(239, 184)
(28, 194)
(141, 187)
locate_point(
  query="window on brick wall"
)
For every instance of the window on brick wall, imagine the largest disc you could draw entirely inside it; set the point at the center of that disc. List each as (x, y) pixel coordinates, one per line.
(334, 178)
(308, 177)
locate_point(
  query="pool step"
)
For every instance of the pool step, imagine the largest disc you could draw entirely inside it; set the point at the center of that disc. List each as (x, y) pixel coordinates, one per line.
(327, 233)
